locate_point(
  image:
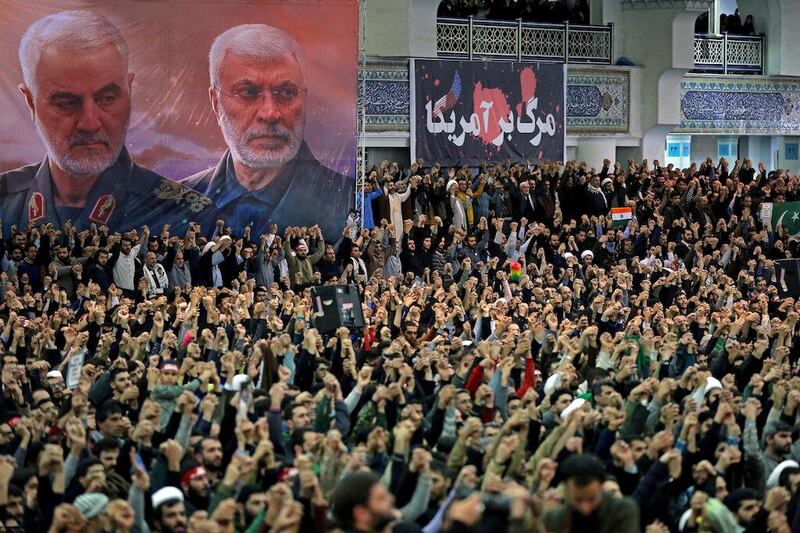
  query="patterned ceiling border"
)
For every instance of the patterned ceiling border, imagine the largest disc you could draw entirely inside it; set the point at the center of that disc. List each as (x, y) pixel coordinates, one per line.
(743, 106)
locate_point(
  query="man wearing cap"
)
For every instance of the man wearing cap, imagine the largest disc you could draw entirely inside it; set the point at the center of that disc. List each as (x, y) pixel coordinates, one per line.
(785, 470)
(8, 423)
(593, 199)
(213, 255)
(92, 506)
(169, 510)
(458, 208)
(55, 382)
(195, 486)
(167, 390)
(607, 185)
(707, 393)
(569, 259)
(301, 265)
(587, 256)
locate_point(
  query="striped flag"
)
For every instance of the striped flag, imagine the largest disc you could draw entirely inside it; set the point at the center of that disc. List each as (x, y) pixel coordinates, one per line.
(449, 100)
(621, 215)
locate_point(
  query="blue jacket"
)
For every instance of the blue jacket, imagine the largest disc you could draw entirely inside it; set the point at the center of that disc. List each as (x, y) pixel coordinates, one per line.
(305, 193)
(369, 220)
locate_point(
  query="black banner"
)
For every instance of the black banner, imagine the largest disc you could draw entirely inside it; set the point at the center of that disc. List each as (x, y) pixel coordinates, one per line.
(467, 112)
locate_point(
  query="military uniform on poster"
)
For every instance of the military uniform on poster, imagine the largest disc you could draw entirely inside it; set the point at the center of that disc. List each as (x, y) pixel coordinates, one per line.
(125, 196)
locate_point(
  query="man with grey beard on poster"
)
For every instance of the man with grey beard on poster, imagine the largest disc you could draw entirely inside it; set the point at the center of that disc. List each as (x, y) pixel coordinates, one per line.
(77, 88)
(268, 174)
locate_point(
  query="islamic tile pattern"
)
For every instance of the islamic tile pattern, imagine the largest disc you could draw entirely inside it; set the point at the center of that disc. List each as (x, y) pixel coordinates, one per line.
(598, 102)
(387, 95)
(741, 106)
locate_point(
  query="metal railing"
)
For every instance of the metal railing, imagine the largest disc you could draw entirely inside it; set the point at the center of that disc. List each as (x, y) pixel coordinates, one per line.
(729, 54)
(570, 43)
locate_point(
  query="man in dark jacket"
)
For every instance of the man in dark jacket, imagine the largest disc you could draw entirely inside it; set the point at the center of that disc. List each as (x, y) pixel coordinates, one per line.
(594, 200)
(587, 506)
(98, 271)
(410, 259)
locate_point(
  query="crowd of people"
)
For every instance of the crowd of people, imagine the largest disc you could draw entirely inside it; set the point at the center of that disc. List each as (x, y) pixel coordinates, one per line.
(528, 362)
(552, 11)
(731, 24)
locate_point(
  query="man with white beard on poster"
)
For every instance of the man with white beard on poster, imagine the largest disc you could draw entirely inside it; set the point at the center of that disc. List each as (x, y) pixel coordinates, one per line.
(78, 89)
(268, 174)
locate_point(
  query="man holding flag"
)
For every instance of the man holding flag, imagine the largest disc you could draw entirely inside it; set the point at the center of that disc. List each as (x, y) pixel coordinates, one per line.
(620, 216)
(786, 214)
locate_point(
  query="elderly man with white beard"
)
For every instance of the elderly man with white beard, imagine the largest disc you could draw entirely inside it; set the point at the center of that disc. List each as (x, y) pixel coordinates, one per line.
(78, 90)
(268, 174)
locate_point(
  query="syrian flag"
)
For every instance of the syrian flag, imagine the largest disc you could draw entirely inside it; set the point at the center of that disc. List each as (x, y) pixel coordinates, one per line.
(785, 214)
(620, 216)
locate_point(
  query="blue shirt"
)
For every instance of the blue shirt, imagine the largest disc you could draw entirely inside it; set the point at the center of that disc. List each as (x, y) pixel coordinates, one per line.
(250, 206)
(304, 193)
(369, 221)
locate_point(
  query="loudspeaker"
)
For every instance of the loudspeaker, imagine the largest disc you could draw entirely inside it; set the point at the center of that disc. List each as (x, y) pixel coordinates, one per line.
(789, 271)
(336, 306)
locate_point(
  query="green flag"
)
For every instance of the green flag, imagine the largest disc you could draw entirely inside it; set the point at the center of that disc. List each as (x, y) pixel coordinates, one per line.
(786, 214)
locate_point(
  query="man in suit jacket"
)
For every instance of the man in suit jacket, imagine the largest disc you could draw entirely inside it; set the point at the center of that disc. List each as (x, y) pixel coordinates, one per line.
(586, 506)
(524, 201)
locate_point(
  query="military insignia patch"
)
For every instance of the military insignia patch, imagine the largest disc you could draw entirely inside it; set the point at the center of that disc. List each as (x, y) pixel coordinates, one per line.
(36, 207)
(102, 209)
(170, 190)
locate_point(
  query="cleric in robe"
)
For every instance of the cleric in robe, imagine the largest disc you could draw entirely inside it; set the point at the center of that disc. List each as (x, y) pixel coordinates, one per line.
(78, 90)
(268, 174)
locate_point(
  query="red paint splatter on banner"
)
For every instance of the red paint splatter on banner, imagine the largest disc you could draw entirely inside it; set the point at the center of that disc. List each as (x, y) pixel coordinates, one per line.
(489, 128)
(527, 84)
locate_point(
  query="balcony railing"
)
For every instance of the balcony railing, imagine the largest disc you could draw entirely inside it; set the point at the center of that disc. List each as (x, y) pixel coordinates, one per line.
(729, 54)
(570, 43)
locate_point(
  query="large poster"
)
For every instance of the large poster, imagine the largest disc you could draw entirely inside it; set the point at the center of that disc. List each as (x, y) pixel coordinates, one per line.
(468, 112)
(126, 113)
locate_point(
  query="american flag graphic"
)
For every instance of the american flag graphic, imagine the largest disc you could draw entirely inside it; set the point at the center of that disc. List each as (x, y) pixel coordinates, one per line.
(449, 100)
